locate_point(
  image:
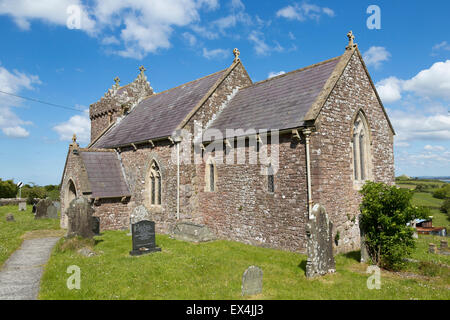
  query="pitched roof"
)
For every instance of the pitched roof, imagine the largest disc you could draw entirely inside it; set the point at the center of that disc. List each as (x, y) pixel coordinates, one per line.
(276, 103)
(159, 114)
(105, 174)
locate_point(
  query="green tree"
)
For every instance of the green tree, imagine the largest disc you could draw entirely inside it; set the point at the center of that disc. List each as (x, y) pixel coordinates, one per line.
(443, 192)
(385, 211)
(8, 189)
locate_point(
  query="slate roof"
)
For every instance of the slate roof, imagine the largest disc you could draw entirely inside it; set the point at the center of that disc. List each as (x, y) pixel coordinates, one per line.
(105, 174)
(276, 103)
(158, 115)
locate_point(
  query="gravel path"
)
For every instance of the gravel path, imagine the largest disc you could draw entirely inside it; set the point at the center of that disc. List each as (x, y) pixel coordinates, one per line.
(21, 274)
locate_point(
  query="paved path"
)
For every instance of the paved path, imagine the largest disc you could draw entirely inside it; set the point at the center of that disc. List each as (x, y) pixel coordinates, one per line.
(21, 274)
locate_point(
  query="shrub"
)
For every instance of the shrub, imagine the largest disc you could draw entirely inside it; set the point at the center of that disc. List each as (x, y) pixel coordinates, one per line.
(8, 189)
(445, 208)
(443, 192)
(385, 211)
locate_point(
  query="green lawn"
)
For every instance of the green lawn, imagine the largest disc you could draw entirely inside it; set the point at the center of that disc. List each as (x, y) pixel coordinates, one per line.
(11, 233)
(214, 270)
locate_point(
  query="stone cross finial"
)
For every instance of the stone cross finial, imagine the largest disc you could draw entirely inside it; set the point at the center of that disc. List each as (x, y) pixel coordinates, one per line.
(351, 38)
(117, 80)
(74, 138)
(236, 54)
(142, 69)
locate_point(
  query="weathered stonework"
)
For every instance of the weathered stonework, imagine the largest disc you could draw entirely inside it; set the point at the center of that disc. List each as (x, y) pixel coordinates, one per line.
(319, 231)
(241, 207)
(80, 218)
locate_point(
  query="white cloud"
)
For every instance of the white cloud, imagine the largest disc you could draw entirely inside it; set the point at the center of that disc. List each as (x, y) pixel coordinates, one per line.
(260, 45)
(50, 11)
(429, 83)
(441, 46)
(78, 124)
(190, 38)
(390, 89)
(144, 25)
(304, 11)
(274, 74)
(418, 126)
(434, 148)
(15, 132)
(375, 56)
(216, 53)
(13, 82)
(433, 82)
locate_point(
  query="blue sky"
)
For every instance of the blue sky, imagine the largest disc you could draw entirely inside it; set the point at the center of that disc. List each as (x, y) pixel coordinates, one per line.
(181, 40)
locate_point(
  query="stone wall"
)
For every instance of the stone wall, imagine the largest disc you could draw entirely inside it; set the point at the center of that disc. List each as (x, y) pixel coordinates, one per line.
(242, 208)
(331, 151)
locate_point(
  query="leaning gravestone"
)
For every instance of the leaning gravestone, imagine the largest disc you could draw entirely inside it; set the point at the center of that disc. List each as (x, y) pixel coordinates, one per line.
(143, 237)
(42, 208)
(252, 281)
(22, 206)
(192, 232)
(80, 218)
(320, 243)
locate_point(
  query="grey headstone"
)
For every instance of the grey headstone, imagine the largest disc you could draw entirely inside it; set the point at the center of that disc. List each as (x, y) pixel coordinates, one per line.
(252, 281)
(52, 212)
(22, 206)
(41, 208)
(432, 248)
(80, 218)
(444, 244)
(10, 217)
(320, 243)
(86, 252)
(192, 232)
(96, 225)
(364, 253)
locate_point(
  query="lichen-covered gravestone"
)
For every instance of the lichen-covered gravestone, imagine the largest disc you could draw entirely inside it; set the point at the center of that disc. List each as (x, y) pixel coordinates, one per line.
(364, 252)
(192, 232)
(43, 208)
(80, 218)
(252, 281)
(320, 243)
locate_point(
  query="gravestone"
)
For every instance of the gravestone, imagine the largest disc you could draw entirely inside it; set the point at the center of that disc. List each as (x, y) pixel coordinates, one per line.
(22, 206)
(252, 281)
(10, 217)
(33, 210)
(80, 218)
(192, 232)
(320, 243)
(57, 204)
(52, 212)
(143, 238)
(432, 248)
(444, 244)
(41, 208)
(96, 225)
(364, 253)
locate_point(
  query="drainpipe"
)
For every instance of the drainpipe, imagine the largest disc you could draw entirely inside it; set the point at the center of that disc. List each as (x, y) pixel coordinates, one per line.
(307, 134)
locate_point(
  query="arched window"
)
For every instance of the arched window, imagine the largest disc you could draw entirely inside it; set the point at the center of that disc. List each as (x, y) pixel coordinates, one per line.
(210, 175)
(155, 184)
(361, 148)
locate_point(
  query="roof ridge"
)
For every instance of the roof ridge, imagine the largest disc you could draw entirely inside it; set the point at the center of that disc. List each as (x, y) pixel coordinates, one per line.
(294, 71)
(183, 84)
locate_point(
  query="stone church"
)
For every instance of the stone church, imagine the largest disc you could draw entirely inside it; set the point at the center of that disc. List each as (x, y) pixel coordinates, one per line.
(325, 123)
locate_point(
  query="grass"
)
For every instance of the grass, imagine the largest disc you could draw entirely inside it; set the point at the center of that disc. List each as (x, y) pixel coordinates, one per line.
(214, 271)
(25, 226)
